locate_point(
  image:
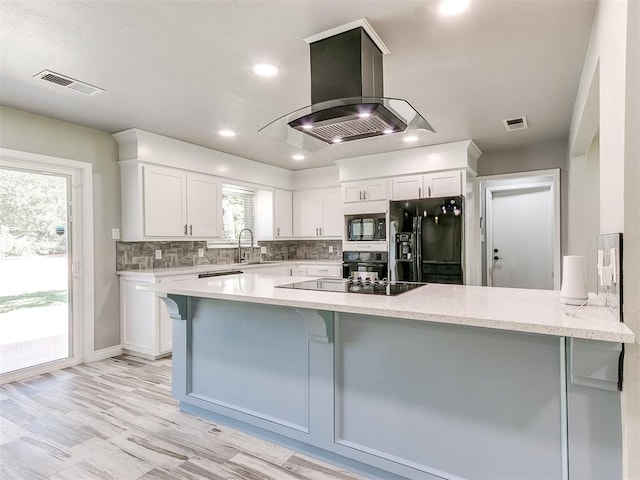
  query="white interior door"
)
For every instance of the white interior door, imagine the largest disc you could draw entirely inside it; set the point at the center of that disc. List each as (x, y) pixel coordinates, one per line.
(520, 237)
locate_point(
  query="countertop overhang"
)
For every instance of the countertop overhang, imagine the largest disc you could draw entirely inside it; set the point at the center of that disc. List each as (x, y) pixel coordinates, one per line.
(512, 309)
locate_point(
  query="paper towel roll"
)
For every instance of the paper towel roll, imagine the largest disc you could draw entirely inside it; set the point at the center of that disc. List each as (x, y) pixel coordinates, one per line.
(574, 284)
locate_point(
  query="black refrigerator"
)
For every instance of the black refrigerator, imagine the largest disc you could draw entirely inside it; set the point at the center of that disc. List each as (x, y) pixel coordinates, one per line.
(426, 240)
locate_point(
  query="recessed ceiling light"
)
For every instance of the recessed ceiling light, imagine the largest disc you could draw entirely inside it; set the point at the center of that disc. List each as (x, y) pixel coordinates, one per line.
(411, 138)
(297, 156)
(453, 7)
(227, 133)
(265, 69)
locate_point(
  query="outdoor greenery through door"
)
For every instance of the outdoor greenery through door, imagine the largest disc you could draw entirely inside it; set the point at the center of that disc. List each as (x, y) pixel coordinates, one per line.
(34, 266)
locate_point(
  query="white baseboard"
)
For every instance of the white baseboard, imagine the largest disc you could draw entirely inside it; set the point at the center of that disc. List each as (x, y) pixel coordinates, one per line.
(108, 352)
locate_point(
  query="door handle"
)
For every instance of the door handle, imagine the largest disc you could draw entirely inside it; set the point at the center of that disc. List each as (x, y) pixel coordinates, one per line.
(419, 192)
(316, 231)
(320, 230)
(190, 229)
(185, 228)
(278, 232)
(364, 194)
(429, 189)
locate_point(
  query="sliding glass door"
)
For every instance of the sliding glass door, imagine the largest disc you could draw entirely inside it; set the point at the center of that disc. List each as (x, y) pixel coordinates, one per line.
(36, 320)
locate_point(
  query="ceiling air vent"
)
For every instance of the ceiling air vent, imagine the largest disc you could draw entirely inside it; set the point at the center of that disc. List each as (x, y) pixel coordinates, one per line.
(67, 82)
(519, 123)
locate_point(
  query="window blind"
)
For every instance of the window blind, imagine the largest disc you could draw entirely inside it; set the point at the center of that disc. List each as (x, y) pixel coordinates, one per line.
(238, 212)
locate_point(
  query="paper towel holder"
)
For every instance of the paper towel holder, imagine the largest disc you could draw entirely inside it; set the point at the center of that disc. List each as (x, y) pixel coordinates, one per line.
(574, 285)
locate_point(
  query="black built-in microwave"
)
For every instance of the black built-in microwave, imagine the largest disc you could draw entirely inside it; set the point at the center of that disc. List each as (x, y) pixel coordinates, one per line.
(362, 228)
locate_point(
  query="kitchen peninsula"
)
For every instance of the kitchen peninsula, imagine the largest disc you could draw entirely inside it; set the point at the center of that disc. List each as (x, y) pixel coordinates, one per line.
(442, 381)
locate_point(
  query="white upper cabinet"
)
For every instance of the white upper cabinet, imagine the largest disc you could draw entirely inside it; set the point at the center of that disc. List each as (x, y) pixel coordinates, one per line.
(365, 190)
(440, 184)
(204, 205)
(282, 214)
(443, 184)
(406, 187)
(317, 213)
(332, 218)
(165, 202)
(181, 204)
(168, 203)
(307, 213)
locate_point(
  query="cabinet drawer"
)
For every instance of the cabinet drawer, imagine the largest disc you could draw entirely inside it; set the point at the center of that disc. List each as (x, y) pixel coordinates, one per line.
(324, 271)
(177, 278)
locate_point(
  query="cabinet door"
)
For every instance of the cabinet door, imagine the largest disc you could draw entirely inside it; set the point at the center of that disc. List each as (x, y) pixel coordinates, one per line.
(165, 202)
(282, 213)
(352, 192)
(298, 271)
(271, 270)
(332, 218)
(443, 184)
(165, 329)
(329, 271)
(376, 189)
(307, 213)
(408, 187)
(204, 205)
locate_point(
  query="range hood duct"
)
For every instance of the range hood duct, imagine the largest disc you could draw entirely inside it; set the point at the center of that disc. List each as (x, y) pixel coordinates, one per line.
(346, 94)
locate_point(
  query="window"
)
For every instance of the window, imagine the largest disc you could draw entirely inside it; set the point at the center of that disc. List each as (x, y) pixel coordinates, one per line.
(238, 212)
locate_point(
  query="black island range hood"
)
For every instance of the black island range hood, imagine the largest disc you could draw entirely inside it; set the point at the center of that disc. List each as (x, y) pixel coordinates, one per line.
(346, 93)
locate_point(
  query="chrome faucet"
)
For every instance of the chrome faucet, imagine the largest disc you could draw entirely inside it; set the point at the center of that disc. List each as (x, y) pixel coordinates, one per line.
(239, 238)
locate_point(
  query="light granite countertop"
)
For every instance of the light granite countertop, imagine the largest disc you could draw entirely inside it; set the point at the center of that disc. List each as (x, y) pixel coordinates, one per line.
(513, 309)
(162, 272)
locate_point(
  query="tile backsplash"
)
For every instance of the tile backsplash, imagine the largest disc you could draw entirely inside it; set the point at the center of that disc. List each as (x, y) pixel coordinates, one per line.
(141, 255)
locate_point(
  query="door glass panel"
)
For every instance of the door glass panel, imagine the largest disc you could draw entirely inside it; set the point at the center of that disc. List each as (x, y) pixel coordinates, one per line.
(35, 313)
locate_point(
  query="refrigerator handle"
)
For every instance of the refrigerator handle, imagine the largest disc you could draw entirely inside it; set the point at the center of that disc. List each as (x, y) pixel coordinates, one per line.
(418, 256)
(416, 241)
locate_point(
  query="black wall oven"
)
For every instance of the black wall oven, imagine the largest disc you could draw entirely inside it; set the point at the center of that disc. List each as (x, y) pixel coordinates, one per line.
(372, 265)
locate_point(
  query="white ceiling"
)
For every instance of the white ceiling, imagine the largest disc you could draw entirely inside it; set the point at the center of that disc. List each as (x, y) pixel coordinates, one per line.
(183, 68)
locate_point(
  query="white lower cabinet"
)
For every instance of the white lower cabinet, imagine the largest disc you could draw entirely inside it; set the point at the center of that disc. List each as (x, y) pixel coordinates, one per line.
(145, 326)
(327, 271)
(298, 271)
(270, 270)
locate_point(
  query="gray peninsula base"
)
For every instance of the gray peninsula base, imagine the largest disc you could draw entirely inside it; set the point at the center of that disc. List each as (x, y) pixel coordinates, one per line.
(392, 398)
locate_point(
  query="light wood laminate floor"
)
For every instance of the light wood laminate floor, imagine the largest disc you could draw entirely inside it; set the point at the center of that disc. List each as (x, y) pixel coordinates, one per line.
(115, 419)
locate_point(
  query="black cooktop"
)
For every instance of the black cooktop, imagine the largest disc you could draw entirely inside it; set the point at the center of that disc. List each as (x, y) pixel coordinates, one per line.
(372, 287)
